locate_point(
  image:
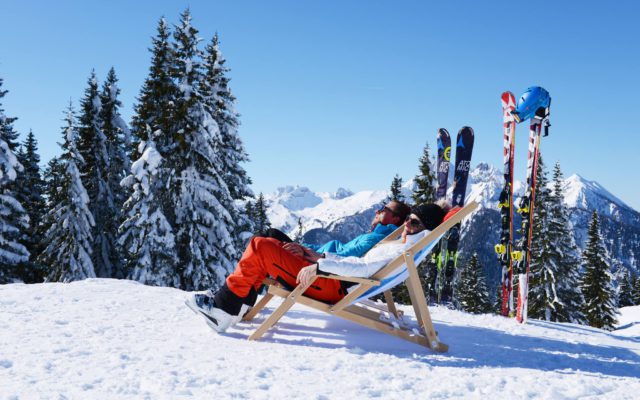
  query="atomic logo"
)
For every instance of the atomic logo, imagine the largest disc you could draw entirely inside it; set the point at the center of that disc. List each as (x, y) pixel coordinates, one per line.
(463, 166)
(447, 153)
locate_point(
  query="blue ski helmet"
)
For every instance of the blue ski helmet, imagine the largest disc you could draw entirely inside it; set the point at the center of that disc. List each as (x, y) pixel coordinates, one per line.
(534, 99)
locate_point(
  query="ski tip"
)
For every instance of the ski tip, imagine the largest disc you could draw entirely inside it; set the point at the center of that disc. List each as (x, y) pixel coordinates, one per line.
(508, 100)
(465, 130)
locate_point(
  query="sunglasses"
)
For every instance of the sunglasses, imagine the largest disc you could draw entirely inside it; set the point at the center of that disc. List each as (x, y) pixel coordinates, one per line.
(414, 222)
(387, 209)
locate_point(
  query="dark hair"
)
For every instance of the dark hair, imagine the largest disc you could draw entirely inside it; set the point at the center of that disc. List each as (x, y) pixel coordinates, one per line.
(431, 215)
(401, 210)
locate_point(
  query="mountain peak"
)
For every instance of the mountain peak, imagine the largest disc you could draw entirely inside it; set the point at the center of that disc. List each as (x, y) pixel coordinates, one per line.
(295, 197)
(341, 193)
(583, 193)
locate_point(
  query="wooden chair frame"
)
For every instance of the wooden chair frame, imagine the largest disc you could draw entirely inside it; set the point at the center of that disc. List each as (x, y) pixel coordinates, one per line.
(366, 312)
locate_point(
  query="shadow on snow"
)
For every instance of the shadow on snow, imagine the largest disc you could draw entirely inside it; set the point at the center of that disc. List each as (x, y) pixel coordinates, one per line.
(470, 347)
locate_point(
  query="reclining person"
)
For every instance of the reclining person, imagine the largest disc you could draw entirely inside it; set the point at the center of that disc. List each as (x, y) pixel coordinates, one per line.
(386, 220)
(268, 257)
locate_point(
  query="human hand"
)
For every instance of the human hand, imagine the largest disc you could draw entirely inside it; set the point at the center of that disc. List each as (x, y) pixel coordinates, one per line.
(307, 275)
(295, 249)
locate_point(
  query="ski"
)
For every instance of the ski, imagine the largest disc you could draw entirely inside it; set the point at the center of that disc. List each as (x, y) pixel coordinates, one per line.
(534, 105)
(444, 157)
(442, 168)
(464, 149)
(505, 204)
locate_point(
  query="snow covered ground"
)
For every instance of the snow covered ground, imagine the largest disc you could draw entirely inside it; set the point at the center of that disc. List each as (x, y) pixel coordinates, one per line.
(102, 339)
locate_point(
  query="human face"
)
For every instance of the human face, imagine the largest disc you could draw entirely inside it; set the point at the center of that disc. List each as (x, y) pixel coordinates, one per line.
(413, 225)
(386, 215)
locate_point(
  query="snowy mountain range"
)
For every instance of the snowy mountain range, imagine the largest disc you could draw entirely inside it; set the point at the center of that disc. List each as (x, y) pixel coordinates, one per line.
(343, 215)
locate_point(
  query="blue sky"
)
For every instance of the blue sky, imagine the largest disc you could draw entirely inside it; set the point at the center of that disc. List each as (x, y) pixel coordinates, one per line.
(347, 93)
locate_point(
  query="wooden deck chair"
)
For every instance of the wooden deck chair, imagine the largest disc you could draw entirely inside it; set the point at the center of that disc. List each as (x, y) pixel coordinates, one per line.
(356, 307)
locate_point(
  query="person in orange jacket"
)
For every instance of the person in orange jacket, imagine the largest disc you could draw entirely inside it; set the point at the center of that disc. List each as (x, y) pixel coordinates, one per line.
(290, 264)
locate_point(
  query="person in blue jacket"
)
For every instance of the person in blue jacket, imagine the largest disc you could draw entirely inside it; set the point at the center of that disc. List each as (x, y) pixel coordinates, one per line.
(387, 219)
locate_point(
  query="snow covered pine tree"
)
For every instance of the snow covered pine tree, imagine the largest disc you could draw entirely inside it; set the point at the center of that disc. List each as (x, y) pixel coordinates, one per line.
(204, 226)
(569, 307)
(29, 192)
(68, 250)
(13, 218)
(625, 289)
(544, 255)
(472, 293)
(600, 303)
(147, 233)
(94, 172)
(117, 141)
(425, 191)
(220, 103)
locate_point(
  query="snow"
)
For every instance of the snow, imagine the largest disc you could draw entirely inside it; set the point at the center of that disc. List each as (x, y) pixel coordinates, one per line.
(101, 338)
(629, 322)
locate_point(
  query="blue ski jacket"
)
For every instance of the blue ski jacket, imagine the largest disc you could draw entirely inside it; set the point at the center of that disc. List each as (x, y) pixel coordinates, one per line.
(358, 246)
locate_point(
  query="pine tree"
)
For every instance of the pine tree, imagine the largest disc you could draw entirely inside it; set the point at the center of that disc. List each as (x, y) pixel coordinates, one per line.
(53, 177)
(543, 298)
(204, 226)
(68, 239)
(155, 109)
(13, 218)
(395, 192)
(146, 235)
(30, 193)
(260, 219)
(425, 191)
(117, 140)
(625, 292)
(94, 172)
(600, 304)
(148, 231)
(569, 307)
(220, 103)
(471, 291)
(635, 293)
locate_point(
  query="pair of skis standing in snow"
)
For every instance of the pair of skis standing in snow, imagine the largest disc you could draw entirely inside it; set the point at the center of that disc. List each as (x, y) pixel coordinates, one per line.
(446, 253)
(534, 105)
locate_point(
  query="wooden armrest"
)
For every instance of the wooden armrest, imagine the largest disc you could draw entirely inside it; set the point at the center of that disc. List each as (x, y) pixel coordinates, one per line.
(354, 279)
(372, 282)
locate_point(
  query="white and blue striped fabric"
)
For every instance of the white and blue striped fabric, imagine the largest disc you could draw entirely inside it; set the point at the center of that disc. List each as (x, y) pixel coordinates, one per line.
(399, 274)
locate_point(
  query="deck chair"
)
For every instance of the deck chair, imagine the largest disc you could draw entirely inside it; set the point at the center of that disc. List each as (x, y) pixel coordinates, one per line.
(356, 306)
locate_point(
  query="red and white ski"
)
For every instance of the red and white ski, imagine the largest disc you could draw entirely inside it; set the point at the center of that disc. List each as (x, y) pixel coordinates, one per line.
(523, 256)
(505, 247)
